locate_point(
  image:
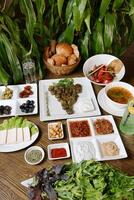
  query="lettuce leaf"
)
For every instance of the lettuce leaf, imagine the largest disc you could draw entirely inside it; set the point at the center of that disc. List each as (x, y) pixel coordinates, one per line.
(18, 122)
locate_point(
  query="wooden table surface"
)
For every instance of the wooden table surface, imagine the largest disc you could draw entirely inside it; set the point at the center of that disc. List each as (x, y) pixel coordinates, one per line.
(13, 168)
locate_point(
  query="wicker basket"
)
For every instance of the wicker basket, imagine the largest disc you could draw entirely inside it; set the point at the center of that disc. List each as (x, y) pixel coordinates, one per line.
(61, 70)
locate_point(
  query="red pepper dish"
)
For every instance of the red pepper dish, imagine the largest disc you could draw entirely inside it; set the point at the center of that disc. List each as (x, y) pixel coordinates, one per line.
(79, 128)
(58, 153)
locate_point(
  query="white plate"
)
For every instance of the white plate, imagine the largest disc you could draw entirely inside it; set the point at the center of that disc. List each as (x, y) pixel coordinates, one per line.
(98, 60)
(16, 101)
(19, 146)
(108, 107)
(55, 109)
(96, 140)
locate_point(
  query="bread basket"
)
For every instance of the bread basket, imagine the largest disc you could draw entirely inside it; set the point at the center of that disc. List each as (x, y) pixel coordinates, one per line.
(58, 69)
(61, 70)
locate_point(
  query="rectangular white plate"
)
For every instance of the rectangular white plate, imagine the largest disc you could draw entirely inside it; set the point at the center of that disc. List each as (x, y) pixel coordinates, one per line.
(16, 101)
(55, 109)
(96, 140)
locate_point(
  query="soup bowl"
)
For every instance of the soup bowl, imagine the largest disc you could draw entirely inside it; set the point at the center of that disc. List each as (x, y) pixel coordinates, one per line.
(118, 91)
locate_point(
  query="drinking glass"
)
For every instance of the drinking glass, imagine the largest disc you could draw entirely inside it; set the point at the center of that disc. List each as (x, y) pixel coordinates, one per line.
(29, 70)
(127, 122)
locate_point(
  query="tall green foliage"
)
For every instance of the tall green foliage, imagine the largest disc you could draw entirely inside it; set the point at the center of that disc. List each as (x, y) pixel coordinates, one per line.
(99, 26)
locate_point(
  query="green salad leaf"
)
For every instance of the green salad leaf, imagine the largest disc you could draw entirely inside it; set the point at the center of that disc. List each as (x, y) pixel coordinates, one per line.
(91, 180)
(18, 122)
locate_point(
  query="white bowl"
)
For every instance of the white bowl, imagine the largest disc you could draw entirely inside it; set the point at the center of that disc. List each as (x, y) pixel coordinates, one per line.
(34, 148)
(127, 86)
(98, 60)
(57, 146)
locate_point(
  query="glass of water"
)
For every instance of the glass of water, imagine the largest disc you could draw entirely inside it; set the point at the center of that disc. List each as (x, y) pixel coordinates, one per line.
(29, 70)
(127, 122)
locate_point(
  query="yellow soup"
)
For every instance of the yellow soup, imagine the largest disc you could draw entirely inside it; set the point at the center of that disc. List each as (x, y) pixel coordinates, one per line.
(119, 95)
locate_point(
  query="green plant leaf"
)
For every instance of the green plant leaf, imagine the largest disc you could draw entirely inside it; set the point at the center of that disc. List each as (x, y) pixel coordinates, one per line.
(76, 16)
(40, 8)
(12, 58)
(68, 14)
(60, 5)
(98, 44)
(109, 26)
(131, 5)
(103, 8)
(117, 4)
(28, 10)
(4, 76)
(68, 34)
(131, 31)
(87, 19)
(85, 45)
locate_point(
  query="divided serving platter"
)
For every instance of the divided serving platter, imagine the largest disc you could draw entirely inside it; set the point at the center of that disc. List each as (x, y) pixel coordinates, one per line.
(16, 100)
(94, 141)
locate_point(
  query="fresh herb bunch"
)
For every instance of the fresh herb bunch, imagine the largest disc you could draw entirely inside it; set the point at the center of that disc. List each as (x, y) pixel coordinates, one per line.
(66, 82)
(89, 180)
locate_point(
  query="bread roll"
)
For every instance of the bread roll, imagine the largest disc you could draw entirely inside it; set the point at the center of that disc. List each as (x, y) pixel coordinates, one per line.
(64, 49)
(59, 59)
(115, 66)
(50, 61)
(75, 50)
(72, 59)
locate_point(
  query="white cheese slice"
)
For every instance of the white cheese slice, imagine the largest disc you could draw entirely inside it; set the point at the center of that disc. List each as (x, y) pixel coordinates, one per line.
(26, 134)
(11, 136)
(20, 137)
(3, 136)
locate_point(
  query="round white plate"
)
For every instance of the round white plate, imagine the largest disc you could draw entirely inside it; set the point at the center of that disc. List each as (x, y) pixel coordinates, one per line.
(108, 107)
(98, 60)
(19, 146)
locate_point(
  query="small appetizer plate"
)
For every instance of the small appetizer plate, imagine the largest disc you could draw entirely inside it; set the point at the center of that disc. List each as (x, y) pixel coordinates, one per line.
(34, 155)
(55, 131)
(58, 151)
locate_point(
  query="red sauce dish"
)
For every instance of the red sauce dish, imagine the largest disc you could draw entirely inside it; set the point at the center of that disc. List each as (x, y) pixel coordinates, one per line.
(79, 128)
(58, 152)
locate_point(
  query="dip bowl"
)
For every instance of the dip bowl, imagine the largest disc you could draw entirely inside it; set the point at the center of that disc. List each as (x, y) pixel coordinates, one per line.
(34, 155)
(119, 84)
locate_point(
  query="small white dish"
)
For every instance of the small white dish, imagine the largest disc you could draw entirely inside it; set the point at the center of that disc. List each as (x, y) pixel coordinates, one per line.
(124, 85)
(109, 108)
(52, 132)
(98, 60)
(32, 150)
(58, 146)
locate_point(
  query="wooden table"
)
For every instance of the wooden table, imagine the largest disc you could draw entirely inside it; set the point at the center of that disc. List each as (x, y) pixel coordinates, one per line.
(13, 168)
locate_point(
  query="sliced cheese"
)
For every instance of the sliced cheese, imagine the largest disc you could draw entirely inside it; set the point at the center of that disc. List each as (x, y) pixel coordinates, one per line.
(26, 134)
(3, 136)
(11, 136)
(20, 137)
